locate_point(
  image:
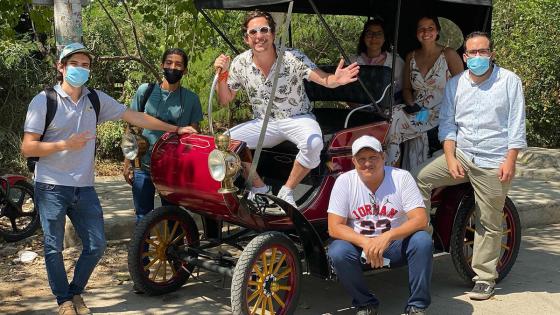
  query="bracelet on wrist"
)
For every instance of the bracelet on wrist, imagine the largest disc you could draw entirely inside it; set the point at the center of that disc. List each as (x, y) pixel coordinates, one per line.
(223, 76)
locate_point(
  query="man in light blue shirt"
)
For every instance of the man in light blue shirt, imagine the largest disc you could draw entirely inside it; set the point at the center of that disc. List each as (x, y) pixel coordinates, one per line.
(482, 127)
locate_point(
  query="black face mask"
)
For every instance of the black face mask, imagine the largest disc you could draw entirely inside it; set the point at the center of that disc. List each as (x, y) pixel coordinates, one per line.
(172, 75)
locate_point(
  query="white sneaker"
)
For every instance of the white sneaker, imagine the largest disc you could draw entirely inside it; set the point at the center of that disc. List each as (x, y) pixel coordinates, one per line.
(287, 195)
(258, 190)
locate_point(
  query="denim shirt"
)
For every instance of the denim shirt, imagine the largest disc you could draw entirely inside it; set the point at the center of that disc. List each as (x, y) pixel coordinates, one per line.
(485, 120)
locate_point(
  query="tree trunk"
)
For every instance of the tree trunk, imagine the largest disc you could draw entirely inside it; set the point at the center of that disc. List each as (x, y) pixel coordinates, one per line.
(67, 22)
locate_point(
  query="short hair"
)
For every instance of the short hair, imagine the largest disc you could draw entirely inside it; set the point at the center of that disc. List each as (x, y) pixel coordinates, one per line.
(434, 19)
(478, 34)
(255, 14)
(64, 61)
(362, 48)
(175, 51)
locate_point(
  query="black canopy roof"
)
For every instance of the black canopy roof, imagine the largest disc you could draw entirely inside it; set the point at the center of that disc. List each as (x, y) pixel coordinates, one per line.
(469, 15)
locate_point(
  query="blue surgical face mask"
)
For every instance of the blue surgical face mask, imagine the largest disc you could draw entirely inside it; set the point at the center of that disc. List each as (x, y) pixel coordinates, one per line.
(76, 76)
(478, 64)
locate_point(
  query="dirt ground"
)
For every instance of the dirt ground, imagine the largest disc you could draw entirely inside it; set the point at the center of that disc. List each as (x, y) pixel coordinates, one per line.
(111, 271)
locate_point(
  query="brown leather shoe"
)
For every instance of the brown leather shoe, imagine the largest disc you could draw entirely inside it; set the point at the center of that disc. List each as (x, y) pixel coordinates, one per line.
(81, 308)
(66, 308)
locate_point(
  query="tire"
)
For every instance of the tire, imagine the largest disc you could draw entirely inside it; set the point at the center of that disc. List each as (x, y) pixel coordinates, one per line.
(275, 289)
(150, 246)
(17, 223)
(462, 238)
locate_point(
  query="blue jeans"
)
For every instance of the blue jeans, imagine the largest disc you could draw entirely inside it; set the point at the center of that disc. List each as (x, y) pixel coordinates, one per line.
(143, 192)
(415, 250)
(81, 205)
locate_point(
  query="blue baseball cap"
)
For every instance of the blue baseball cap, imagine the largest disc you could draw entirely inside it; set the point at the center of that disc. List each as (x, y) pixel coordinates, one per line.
(73, 48)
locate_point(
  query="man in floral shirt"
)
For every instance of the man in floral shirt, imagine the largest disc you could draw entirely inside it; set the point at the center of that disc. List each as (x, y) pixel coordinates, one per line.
(291, 117)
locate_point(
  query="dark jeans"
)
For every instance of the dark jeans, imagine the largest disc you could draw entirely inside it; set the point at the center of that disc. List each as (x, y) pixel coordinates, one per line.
(82, 206)
(415, 250)
(143, 192)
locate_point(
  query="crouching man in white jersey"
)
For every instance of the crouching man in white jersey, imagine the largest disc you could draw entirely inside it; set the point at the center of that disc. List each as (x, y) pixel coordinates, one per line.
(379, 210)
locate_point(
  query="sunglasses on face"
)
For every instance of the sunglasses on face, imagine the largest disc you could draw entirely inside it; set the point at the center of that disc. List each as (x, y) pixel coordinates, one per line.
(259, 29)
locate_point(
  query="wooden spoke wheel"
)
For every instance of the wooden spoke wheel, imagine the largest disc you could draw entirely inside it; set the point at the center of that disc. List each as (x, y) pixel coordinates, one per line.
(267, 277)
(462, 239)
(18, 216)
(151, 261)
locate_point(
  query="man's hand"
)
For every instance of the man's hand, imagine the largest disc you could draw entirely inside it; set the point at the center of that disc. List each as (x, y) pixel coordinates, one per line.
(346, 75)
(77, 140)
(128, 171)
(374, 249)
(222, 63)
(455, 168)
(186, 129)
(506, 172)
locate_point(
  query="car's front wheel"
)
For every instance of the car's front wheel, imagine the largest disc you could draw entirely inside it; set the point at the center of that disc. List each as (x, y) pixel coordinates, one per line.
(153, 266)
(267, 277)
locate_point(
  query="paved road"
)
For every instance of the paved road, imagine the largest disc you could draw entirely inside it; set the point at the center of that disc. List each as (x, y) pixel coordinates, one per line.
(533, 287)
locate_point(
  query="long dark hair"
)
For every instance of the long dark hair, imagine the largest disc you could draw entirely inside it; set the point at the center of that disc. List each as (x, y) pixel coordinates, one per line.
(362, 48)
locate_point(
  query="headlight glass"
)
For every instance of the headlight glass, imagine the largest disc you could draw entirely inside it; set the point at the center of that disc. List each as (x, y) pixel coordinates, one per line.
(217, 165)
(129, 146)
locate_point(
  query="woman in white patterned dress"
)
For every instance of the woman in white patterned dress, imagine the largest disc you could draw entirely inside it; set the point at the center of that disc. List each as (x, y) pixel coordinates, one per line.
(426, 71)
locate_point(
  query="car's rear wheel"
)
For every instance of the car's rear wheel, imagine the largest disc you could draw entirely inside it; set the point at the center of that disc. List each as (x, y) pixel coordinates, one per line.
(153, 267)
(267, 277)
(19, 217)
(462, 239)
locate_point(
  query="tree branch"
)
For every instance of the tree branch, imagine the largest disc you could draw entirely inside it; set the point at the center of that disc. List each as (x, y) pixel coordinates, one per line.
(116, 27)
(136, 41)
(138, 59)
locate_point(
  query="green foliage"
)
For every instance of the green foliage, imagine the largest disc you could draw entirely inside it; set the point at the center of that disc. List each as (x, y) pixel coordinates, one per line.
(109, 137)
(21, 77)
(526, 35)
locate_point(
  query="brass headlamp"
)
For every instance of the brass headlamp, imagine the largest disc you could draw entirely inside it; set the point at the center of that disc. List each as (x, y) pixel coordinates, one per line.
(224, 164)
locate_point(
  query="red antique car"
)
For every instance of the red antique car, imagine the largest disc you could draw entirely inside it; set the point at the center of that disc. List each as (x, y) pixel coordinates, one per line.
(264, 247)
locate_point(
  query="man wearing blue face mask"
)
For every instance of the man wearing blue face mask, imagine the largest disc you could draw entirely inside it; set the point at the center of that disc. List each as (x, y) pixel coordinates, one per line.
(482, 127)
(65, 144)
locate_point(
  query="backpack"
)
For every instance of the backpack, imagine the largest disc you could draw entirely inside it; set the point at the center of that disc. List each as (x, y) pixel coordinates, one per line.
(52, 105)
(145, 97)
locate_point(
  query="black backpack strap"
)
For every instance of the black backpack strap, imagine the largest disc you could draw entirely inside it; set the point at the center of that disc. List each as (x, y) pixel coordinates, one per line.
(52, 104)
(145, 97)
(94, 99)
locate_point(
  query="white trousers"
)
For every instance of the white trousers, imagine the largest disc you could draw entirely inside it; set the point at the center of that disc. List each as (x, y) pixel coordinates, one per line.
(301, 130)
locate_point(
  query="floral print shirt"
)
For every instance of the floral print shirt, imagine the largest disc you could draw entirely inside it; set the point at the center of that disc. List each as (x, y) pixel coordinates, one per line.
(290, 98)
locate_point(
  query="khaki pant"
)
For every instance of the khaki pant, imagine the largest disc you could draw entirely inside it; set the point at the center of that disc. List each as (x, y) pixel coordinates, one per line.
(489, 195)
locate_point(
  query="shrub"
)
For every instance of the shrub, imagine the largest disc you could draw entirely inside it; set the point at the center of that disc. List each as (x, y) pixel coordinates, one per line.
(526, 35)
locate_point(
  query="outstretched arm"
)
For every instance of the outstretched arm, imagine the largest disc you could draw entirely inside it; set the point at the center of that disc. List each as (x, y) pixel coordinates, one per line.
(146, 121)
(343, 75)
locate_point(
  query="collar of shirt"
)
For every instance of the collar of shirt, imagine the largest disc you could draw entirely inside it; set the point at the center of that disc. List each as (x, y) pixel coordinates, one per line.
(493, 76)
(62, 93)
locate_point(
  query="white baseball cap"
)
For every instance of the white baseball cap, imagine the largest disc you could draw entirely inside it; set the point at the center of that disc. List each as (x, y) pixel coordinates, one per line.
(366, 142)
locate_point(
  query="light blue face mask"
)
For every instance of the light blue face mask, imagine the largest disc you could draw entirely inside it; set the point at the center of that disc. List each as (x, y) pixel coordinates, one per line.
(478, 64)
(76, 76)
(423, 115)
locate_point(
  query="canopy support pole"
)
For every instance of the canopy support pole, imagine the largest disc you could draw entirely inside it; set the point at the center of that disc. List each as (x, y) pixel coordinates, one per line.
(346, 59)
